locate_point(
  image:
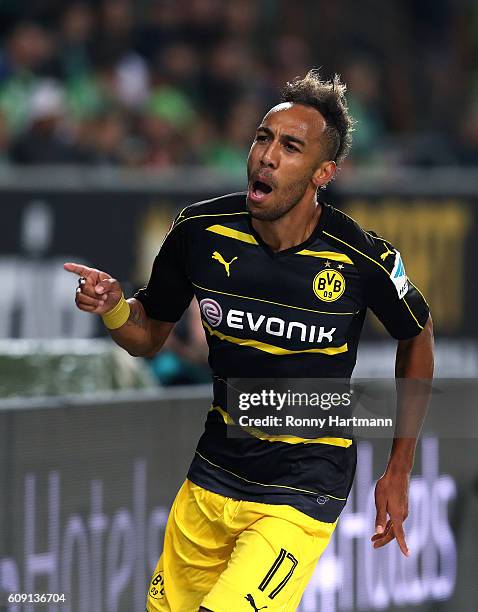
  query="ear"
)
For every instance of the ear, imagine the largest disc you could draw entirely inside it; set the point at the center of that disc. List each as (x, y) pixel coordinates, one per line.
(324, 173)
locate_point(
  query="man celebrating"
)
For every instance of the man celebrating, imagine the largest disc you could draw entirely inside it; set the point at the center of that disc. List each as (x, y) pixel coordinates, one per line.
(283, 283)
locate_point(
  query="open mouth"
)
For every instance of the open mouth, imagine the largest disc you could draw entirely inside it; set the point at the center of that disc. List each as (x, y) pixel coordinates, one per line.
(259, 190)
(261, 187)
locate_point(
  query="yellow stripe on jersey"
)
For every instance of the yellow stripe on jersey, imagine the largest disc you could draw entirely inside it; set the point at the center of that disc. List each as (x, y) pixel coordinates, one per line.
(380, 266)
(270, 348)
(208, 215)
(343, 442)
(288, 439)
(327, 255)
(263, 484)
(225, 416)
(358, 251)
(222, 230)
(410, 310)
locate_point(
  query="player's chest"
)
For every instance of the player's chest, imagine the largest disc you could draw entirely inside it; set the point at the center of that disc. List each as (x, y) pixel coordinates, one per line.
(315, 278)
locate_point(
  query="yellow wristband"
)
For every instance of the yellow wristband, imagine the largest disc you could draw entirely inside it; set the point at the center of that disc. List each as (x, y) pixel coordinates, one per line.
(118, 315)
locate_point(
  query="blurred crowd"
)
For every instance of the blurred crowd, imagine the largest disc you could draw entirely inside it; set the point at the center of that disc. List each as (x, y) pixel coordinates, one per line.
(155, 83)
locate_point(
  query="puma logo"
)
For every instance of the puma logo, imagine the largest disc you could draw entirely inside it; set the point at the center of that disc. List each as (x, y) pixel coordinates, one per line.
(388, 252)
(250, 599)
(218, 257)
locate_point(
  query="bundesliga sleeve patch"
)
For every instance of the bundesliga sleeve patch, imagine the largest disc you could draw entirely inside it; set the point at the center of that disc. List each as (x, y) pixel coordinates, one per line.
(399, 276)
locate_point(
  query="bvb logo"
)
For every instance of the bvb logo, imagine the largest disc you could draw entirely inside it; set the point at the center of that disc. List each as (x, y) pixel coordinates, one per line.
(329, 285)
(156, 590)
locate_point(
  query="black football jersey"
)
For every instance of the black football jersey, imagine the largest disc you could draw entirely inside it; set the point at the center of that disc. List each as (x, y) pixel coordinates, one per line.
(293, 313)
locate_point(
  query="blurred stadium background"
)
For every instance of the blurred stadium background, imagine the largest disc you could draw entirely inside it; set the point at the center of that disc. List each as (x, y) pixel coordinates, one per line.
(115, 114)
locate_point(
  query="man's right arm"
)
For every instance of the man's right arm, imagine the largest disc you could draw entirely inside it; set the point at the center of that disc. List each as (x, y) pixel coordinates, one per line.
(98, 293)
(140, 335)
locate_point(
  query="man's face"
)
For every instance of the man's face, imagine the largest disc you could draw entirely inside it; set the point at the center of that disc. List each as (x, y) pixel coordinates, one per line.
(285, 154)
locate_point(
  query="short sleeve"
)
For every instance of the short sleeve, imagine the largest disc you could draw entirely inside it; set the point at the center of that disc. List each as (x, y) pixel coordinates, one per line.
(390, 294)
(169, 290)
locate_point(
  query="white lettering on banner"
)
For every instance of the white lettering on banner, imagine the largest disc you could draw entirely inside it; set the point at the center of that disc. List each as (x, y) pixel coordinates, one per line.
(139, 513)
(75, 553)
(80, 546)
(120, 558)
(98, 524)
(42, 563)
(369, 579)
(276, 326)
(127, 543)
(10, 580)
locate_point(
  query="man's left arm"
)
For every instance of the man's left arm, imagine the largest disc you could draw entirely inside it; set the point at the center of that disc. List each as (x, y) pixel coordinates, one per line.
(413, 373)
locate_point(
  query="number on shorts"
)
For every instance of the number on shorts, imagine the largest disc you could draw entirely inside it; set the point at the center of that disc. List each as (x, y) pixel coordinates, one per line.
(273, 570)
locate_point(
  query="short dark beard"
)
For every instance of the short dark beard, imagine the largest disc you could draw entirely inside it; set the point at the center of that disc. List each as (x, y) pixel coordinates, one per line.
(291, 198)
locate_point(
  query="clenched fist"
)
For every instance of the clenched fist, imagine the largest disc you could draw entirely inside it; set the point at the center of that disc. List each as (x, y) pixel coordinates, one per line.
(97, 291)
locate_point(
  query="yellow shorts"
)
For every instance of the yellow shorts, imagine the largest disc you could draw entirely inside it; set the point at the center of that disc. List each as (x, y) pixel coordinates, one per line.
(234, 556)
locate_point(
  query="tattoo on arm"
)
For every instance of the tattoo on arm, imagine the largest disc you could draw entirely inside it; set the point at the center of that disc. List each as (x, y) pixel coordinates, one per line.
(137, 316)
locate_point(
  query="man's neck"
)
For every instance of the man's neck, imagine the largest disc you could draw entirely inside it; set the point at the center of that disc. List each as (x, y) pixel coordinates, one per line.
(292, 229)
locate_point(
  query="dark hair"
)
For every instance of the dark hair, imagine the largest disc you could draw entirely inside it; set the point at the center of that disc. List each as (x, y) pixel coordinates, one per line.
(328, 97)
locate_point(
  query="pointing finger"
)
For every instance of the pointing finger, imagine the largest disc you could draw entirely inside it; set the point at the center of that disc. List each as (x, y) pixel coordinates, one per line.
(77, 269)
(400, 535)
